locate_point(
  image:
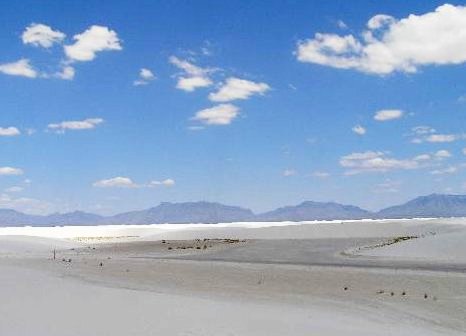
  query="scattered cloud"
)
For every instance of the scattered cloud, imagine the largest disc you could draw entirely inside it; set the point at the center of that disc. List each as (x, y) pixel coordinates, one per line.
(359, 130)
(423, 130)
(14, 189)
(166, 183)
(115, 182)
(75, 125)
(341, 24)
(442, 154)
(145, 76)
(222, 114)
(21, 67)
(441, 138)
(9, 131)
(66, 73)
(95, 39)
(236, 88)
(428, 134)
(320, 174)
(126, 182)
(10, 171)
(388, 186)
(371, 161)
(24, 204)
(447, 170)
(41, 35)
(192, 77)
(289, 172)
(385, 115)
(393, 45)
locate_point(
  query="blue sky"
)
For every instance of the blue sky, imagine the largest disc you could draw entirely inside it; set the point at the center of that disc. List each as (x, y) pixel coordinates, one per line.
(108, 106)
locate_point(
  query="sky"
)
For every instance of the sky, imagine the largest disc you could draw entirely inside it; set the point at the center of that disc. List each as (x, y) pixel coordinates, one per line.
(108, 107)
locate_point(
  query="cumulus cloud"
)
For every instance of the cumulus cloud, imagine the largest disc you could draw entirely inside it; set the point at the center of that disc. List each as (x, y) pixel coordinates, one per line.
(115, 182)
(222, 114)
(9, 131)
(192, 77)
(385, 115)
(442, 154)
(14, 189)
(236, 88)
(22, 68)
(289, 172)
(95, 39)
(76, 125)
(66, 73)
(389, 45)
(41, 35)
(145, 76)
(422, 130)
(10, 171)
(388, 186)
(428, 134)
(126, 182)
(359, 130)
(320, 174)
(447, 170)
(371, 161)
(25, 204)
(441, 138)
(165, 183)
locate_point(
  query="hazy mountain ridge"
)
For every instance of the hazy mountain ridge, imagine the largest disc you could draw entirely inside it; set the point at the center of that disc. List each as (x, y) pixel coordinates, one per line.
(435, 205)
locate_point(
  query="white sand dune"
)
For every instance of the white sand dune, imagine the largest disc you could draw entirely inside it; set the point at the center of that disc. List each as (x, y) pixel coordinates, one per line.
(443, 246)
(21, 246)
(290, 279)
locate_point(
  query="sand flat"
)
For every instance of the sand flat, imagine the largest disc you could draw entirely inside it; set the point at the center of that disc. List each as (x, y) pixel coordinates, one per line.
(257, 284)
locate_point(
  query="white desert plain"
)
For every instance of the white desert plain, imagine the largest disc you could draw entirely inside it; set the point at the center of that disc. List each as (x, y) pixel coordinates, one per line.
(368, 277)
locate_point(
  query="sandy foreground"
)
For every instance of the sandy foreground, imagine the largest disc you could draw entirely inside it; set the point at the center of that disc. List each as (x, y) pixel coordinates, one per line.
(404, 277)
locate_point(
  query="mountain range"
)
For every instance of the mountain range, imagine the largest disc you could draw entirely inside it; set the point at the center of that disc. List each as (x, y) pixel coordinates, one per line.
(435, 205)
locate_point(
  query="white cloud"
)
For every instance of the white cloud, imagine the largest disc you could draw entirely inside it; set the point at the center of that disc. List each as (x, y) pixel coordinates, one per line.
(289, 172)
(320, 174)
(236, 88)
(448, 170)
(442, 154)
(385, 115)
(24, 204)
(423, 130)
(193, 76)
(75, 125)
(19, 68)
(441, 138)
(10, 171)
(388, 186)
(166, 183)
(341, 24)
(9, 131)
(428, 134)
(358, 129)
(422, 157)
(370, 161)
(126, 182)
(14, 189)
(116, 182)
(41, 35)
(389, 45)
(192, 83)
(464, 151)
(95, 39)
(145, 76)
(67, 73)
(222, 114)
